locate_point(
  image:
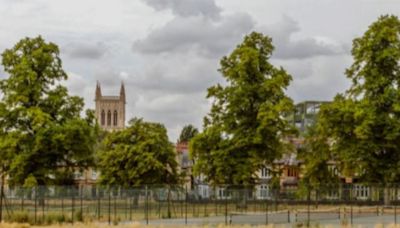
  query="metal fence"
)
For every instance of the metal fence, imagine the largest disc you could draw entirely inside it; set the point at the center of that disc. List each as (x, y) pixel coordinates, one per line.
(201, 205)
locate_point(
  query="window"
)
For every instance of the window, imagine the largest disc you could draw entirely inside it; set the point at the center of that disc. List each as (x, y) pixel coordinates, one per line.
(361, 191)
(78, 175)
(223, 193)
(263, 191)
(94, 175)
(292, 172)
(333, 170)
(103, 118)
(265, 173)
(115, 117)
(109, 118)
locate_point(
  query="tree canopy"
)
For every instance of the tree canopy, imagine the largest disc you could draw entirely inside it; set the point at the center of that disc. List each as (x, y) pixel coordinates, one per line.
(363, 124)
(43, 138)
(320, 168)
(245, 128)
(187, 133)
(138, 155)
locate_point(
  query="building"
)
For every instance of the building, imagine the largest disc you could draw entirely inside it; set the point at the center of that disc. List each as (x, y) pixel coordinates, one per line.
(305, 114)
(110, 110)
(110, 115)
(196, 184)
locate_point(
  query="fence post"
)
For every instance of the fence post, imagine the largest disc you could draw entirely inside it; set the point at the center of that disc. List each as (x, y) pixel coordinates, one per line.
(215, 201)
(130, 204)
(73, 204)
(22, 199)
(351, 204)
(186, 202)
(61, 192)
(35, 188)
(43, 198)
(145, 203)
(308, 205)
(81, 195)
(276, 198)
(226, 206)
(115, 208)
(126, 209)
(109, 206)
(266, 211)
(395, 205)
(98, 203)
(146, 207)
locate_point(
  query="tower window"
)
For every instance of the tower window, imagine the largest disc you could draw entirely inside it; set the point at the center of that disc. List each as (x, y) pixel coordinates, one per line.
(109, 118)
(115, 117)
(103, 118)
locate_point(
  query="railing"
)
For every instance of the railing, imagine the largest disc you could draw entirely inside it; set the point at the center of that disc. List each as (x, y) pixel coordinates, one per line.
(221, 204)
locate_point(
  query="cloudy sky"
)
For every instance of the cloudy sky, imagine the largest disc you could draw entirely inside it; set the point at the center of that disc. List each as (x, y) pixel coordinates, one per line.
(167, 51)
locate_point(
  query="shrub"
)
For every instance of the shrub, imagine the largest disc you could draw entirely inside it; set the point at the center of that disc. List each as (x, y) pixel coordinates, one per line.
(79, 216)
(19, 217)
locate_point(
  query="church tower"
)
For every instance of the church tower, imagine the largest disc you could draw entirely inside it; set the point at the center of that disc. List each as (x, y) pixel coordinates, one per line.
(110, 110)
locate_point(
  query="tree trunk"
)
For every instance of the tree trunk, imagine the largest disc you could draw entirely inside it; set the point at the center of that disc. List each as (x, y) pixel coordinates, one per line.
(386, 195)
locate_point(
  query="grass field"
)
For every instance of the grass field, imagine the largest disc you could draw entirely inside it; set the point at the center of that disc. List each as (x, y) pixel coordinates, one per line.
(95, 225)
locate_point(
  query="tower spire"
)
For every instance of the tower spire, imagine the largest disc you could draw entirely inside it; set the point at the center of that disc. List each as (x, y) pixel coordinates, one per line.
(122, 92)
(98, 91)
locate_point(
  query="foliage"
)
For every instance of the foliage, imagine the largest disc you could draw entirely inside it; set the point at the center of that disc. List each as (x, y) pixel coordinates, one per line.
(138, 155)
(364, 123)
(319, 165)
(41, 128)
(245, 128)
(187, 133)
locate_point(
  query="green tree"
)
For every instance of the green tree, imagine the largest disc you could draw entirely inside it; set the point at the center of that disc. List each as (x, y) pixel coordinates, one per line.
(42, 136)
(364, 122)
(319, 164)
(187, 133)
(245, 128)
(138, 155)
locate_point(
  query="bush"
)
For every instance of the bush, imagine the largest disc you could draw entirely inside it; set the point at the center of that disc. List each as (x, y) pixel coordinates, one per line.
(79, 216)
(52, 218)
(19, 217)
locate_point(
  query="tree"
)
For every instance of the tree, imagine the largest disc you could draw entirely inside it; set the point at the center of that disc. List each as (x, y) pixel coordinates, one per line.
(319, 163)
(42, 136)
(245, 128)
(187, 133)
(139, 155)
(364, 122)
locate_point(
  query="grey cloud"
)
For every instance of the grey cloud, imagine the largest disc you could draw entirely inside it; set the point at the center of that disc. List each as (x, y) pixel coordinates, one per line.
(299, 68)
(185, 8)
(207, 37)
(173, 110)
(288, 47)
(183, 74)
(108, 76)
(324, 82)
(86, 50)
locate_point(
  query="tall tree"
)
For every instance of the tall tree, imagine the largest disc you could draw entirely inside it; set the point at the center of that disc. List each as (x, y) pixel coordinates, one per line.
(320, 168)
(245, 128)
(138, 155)
(364, 122)
(187, 133)
(43, 136)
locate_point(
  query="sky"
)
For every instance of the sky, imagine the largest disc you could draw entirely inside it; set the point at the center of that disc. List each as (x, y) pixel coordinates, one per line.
(167, 52)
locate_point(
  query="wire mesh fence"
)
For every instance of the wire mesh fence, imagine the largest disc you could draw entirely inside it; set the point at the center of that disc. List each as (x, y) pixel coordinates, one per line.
(180, 205)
